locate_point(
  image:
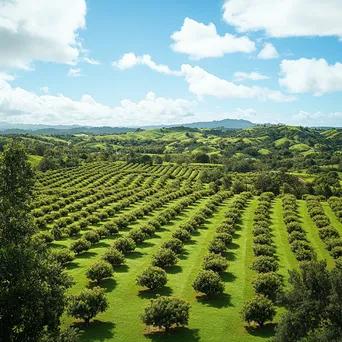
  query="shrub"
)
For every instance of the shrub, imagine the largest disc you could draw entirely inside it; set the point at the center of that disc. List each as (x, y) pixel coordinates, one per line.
(164, 257)
(262, 239)
(264, 264)
(45, 237)
(73, 229)
(124, 245)
(260, 310)
(137, 235)
(80, 245)
(87, 304)
(266, 250)
(268, 284)
(153, 277)
(217, 246)
(166, 312)
(296, 235)
(114, 257)
(94, 219)
(111, 227)
(92, 236)
(293, 226)
(102, 231)
(336, 252)
(208, 282)
(224, 237)
(174, 244)
(182, 234)
(99, 270)
(63, 256)
(148, 229)
(215, 262)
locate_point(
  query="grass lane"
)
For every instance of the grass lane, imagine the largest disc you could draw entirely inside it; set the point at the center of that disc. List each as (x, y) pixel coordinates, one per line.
(312, 234)
(287, 260)
(332, 217)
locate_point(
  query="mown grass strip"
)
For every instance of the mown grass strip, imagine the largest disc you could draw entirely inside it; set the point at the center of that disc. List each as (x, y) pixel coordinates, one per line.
(312, 234)
(332, 217)
(287, 260)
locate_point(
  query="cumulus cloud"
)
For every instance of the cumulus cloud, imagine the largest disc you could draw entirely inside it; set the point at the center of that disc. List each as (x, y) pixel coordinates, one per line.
(40, 30)
(268, 52)
(45, 90)
(286, 18)
(311, 76)
(129, 60)
(18, 105)
(202, 41)
(240, 76)
(304, 118)
(74, 72)
(91, 61)
(202, 83)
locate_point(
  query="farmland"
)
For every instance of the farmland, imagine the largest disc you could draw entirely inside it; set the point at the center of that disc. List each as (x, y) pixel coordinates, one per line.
(105, 202)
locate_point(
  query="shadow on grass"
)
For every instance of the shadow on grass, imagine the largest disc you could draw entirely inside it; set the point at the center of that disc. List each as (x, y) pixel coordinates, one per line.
(148, 294)
(179, 334)
(218, 301)
(121, 269)
(228, 277)
(97, 330)
(230, 256)
(146, 244)
(100, 245)
(72, 265)
(134, 255)
(174, 269)
(233, 246)
(266, 331)
(86, 255)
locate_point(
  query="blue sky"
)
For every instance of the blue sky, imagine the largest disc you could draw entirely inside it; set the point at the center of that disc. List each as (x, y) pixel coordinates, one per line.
(123, 63)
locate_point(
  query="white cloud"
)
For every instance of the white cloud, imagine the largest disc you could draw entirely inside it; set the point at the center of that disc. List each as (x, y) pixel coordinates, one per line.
(202, 83)
(45, 90)
(268, 52)
(40, 30)
(240, 76)
(91, 61)
(74, 72)
(311, 76)
(6, 77)
(304, 118)
(202, 41)
(18, 105)
(286, 18)
(129, 60)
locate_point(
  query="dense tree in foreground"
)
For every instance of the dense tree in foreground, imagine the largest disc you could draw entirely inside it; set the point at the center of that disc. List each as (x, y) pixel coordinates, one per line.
(259, 309)
(314, 305)
(32, 282)
(166, 312)
(153, 278)
(87, 304)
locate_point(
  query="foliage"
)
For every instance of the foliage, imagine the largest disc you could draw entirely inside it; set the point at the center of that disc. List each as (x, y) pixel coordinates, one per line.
(87, 304)
(208, 282)
(99, 270)
(152, 277)
(166, 312)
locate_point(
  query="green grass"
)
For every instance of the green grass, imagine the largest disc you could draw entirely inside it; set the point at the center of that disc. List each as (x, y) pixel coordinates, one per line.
(312, 234)
(210, 320)
(34, 160)
(332, 217)
(287, 260)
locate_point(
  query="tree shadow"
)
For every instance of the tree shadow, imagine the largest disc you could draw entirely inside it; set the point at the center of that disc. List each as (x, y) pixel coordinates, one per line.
(146, 244)
(179, 334)
(72, 265)
(218, 301)
(100, 245)
(266, 331)
(148, 294)
(121, 269)
(230, 256)
(233, 246)
(174, 269)
(228, 277)
(86, 255)
(183, 256)
(134, 255)
(97, 330)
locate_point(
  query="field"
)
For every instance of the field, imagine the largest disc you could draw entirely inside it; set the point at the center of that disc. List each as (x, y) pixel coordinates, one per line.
(133, 194)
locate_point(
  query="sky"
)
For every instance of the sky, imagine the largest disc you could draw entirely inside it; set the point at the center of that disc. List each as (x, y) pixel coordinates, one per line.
(142, 62)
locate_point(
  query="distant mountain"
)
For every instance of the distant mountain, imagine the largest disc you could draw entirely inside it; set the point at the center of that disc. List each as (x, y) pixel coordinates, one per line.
(7, 128)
